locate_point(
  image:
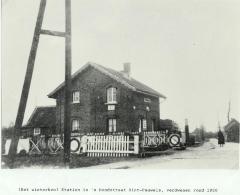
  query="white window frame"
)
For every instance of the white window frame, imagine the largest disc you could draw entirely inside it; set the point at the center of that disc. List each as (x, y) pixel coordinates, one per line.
(112, 125)
(76, 97)
(142, 124)
(147, 100)
(36, 131)
(75, 125)
(144, 121)
(112, 95)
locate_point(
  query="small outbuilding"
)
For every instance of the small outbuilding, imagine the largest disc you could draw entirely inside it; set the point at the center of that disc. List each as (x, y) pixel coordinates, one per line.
(41, 122)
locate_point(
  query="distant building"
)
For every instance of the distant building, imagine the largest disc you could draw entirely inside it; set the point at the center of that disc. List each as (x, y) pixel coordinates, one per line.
(103, 100)
(232, 131)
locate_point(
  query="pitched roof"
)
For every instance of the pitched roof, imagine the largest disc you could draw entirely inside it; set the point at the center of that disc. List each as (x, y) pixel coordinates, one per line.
(42, 117)
(116, 75)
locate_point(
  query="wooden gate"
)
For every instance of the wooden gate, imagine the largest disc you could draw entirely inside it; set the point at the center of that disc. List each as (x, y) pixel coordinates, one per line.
(153, 139)
(112, 145)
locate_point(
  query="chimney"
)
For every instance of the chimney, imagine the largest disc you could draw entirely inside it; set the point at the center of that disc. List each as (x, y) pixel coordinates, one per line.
(126, 69)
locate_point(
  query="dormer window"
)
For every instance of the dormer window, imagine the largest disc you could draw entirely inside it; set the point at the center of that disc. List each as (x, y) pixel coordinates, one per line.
(76, 97)
(112, 95)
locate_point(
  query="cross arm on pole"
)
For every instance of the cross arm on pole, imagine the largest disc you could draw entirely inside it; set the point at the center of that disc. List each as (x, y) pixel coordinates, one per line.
(53, 33)
(28, 77)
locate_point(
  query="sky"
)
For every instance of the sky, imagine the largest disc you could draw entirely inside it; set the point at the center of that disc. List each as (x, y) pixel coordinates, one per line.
(187, 50)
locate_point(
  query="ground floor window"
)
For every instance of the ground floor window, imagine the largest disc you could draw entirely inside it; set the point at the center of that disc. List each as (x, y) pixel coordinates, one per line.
(75, 125)
(112, 125)
(142, 124)
(37, 131)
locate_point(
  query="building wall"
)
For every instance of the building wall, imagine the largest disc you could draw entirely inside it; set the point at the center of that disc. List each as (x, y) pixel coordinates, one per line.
(92, 110)
(233, 134)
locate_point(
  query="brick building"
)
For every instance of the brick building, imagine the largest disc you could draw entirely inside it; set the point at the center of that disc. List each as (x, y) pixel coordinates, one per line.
(105, 100)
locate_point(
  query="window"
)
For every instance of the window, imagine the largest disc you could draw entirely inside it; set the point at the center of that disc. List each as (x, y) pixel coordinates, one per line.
(76, 97)
(148, 100)
(112, 125)
(144, 121)
(37, 131)
(75, 125)
(111, 95)
(142, 124)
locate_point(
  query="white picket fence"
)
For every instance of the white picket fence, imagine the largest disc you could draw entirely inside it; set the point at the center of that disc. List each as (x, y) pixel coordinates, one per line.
(112, 145)
(99, 145)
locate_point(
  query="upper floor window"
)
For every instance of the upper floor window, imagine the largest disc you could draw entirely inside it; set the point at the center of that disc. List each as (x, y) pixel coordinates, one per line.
(75, 125)
(148, 100)
(111, 95)
(76, 97)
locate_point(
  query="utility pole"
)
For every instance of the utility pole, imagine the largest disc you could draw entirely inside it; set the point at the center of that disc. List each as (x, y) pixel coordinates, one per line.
(147, 110)
(187, 132)
(27, 83)
(95, 109)
(67, 89)
(93, 85)
(28, 77)
(229, 110)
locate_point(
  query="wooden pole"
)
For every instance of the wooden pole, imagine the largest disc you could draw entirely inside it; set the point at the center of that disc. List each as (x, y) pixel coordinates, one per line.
(28, 77)
(229, 110)
(27, 82)
(67, 89)
(187, 132)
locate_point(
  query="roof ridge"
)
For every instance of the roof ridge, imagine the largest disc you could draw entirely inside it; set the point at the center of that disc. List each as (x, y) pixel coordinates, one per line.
(116, 75)
(34, 111)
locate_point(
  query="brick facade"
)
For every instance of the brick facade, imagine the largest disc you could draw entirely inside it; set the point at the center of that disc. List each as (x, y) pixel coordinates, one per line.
(92, 111)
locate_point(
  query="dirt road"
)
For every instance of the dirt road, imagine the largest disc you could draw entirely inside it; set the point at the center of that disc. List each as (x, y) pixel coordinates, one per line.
(207, 156)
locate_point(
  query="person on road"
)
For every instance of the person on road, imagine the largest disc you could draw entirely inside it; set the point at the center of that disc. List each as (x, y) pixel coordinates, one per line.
(221, 140)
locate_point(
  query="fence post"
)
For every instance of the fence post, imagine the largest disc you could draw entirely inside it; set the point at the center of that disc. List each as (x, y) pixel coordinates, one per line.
(83, 142)
(127, 144)
(136, 144)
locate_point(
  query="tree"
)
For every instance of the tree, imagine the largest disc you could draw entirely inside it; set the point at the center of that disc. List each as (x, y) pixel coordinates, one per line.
(200, 133)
